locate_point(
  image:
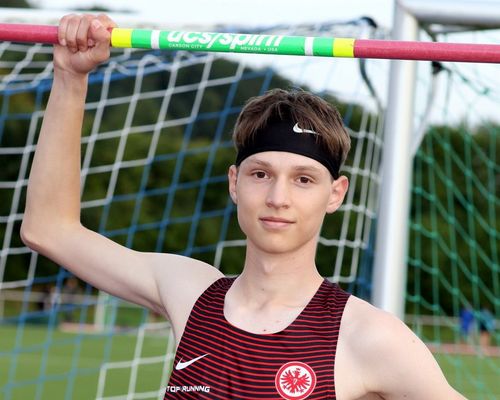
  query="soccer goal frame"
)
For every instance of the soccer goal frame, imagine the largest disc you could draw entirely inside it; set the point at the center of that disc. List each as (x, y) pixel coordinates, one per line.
(390, 265)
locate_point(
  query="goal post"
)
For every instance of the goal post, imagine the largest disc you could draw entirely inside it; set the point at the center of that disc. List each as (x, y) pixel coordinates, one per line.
(389, 271)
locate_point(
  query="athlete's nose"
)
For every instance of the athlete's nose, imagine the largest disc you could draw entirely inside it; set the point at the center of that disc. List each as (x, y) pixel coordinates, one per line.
(278, 195)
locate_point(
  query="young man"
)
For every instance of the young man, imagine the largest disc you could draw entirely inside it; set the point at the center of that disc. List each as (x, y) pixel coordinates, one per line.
(279, 330)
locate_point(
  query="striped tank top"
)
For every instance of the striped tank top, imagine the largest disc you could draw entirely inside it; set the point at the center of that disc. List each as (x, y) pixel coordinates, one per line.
(216, 360)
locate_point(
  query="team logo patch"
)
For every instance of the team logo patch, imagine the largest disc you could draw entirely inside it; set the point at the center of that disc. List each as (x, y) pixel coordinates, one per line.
(295, 381)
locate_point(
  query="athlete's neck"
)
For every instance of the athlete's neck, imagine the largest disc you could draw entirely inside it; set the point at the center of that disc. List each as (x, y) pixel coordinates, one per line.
(263, 303)
(280, 278)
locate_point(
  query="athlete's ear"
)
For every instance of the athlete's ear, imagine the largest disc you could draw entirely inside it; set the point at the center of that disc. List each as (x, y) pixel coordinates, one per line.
(232, 176)
(338, 191)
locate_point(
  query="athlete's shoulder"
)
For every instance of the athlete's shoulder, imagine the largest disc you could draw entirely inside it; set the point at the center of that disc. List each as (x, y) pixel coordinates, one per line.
(187, 276)
(180, 281)
(370, 337)
(191, 267)
(369, 329)
(392, 360)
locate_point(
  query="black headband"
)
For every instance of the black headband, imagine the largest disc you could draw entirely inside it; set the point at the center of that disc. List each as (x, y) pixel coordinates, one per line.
(286, 135)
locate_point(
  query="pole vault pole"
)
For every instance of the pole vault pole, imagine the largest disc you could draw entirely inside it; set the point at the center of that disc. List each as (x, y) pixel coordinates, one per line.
(270, 44)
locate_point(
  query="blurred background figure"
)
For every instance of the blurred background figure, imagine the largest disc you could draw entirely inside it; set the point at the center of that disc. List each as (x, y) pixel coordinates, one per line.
(69, 297)
(486, 326)
(466, 324)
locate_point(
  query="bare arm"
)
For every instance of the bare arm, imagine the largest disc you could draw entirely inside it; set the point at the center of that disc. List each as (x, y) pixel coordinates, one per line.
(391, 360)
(408, 368)
(51, 223)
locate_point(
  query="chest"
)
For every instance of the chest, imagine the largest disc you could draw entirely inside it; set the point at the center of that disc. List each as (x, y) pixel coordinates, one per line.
(263, 321)
(230, 363)
(288, 354)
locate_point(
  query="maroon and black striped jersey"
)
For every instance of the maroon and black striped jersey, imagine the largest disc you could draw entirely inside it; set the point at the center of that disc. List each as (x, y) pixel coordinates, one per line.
(216, 360)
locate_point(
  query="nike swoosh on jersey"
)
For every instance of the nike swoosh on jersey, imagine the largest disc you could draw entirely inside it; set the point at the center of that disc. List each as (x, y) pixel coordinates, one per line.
(181, 365)
(296, 128)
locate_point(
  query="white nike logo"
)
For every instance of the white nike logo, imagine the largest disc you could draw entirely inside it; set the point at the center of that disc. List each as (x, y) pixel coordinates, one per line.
(296, 128)
(181, 365)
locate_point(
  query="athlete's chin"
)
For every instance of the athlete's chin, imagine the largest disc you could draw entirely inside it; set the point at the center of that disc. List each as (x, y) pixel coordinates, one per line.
(276, 246)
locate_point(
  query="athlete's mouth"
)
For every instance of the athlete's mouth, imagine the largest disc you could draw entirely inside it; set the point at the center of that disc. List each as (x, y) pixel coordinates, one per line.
(276, 219)
(276, 222)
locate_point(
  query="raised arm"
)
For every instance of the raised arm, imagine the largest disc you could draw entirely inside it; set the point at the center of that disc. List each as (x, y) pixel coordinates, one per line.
(51, 223)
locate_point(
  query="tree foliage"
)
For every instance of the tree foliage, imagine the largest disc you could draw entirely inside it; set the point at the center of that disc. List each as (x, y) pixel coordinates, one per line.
(15, 4)
(135, 216)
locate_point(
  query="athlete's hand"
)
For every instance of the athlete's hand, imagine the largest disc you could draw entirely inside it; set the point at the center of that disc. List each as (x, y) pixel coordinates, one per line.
(84, 42)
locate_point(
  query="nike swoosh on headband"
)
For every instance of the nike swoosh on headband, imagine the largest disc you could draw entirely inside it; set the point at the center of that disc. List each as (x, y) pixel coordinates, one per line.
(181, 365)
(296, 128)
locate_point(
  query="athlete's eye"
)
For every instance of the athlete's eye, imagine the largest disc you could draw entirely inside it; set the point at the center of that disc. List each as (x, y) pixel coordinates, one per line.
(260, 174)
(304, 179)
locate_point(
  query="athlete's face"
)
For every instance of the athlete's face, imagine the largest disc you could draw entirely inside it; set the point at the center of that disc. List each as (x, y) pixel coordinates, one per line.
(282, 199)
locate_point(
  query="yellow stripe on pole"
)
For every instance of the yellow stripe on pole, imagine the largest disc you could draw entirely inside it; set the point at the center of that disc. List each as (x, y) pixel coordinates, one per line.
(343, 47)
(121, 38)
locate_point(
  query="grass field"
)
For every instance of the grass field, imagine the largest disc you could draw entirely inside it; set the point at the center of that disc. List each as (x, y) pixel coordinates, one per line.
(55, 365)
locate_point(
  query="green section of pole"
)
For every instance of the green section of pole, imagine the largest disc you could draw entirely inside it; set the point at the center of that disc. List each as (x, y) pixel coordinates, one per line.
(323, 47)
(228, 42)
(232, 42)
(141, 38)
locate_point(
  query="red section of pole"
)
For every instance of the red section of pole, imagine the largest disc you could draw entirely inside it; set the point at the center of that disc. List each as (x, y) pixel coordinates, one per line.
(427, 51)
(46, 34)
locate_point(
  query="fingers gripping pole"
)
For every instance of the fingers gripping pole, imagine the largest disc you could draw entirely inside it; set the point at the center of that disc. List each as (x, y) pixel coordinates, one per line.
(270, 44)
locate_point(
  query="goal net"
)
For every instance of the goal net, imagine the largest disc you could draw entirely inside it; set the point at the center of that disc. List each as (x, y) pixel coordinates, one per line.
(453, 283)
(156, 146)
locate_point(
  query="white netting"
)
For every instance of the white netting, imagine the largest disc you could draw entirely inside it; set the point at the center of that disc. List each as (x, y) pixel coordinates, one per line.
(155, 151)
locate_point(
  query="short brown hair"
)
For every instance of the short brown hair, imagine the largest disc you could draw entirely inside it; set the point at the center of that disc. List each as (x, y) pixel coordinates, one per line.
(310, 111)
